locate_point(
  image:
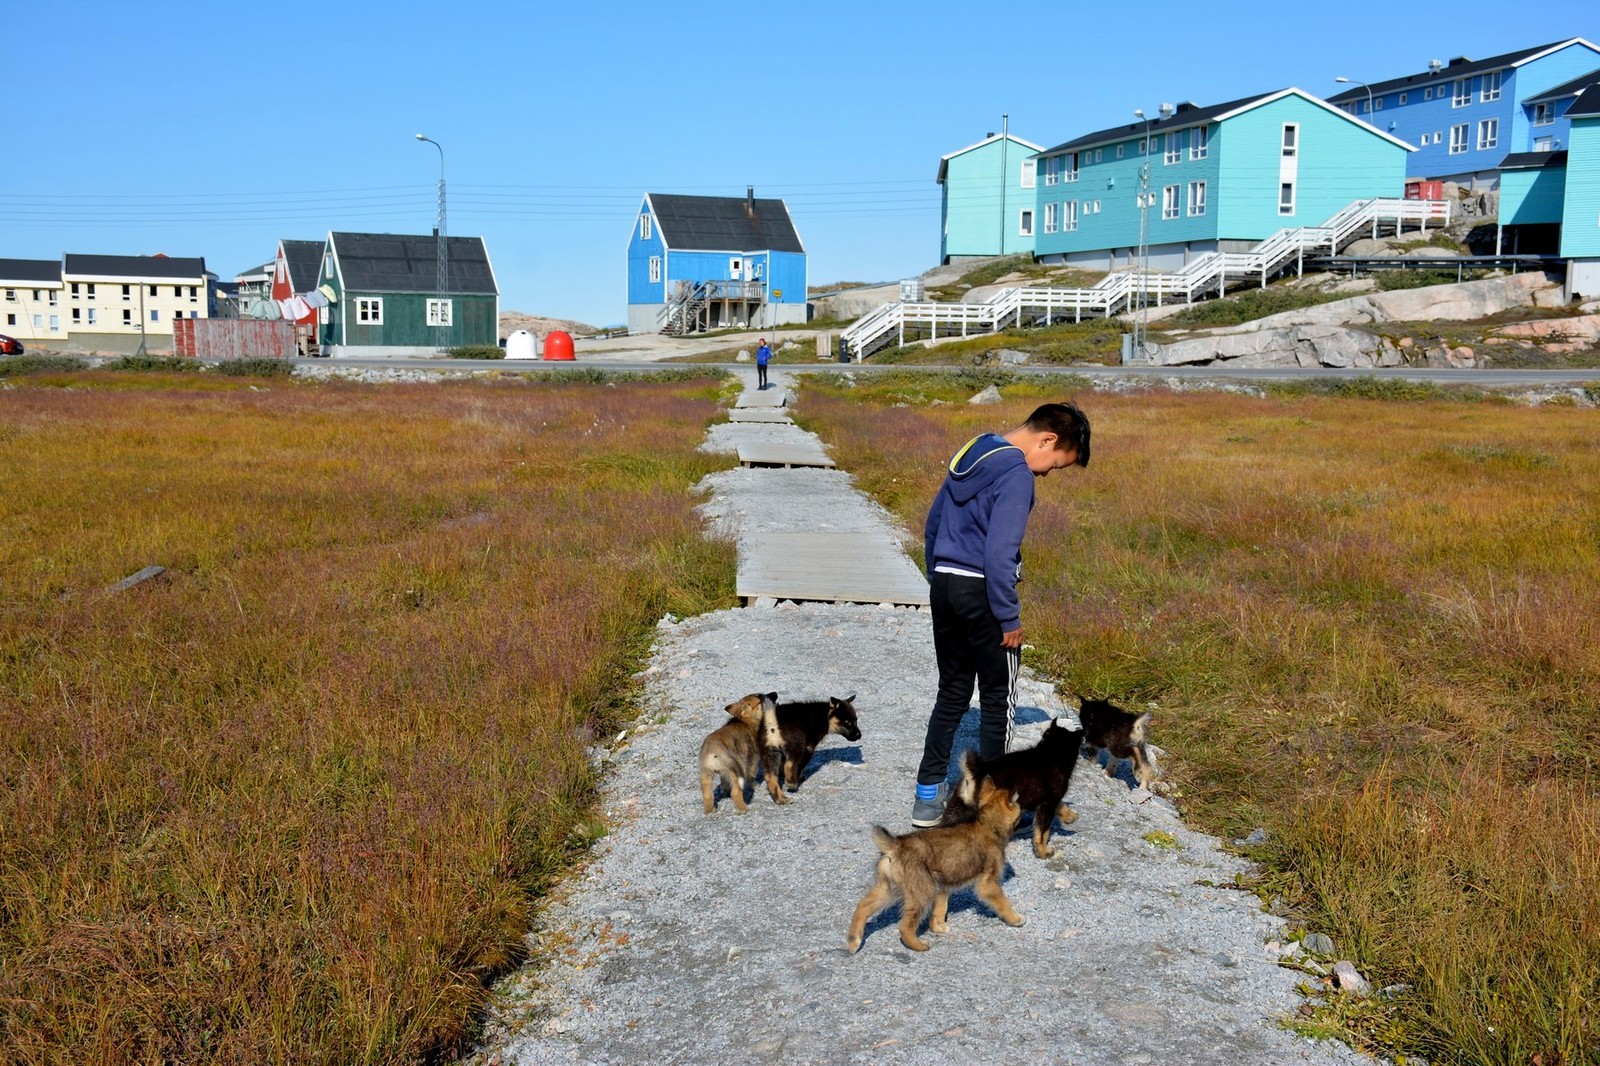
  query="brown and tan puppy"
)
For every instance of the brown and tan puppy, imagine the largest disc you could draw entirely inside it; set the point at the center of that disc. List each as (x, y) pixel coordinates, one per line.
(1039, 775)
(733, 750)
(922, 868)
(1121, 733)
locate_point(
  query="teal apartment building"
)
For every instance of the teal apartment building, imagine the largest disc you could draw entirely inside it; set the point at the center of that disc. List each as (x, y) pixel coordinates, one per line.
(1220, 178)
(1550, 200)
(987, 201)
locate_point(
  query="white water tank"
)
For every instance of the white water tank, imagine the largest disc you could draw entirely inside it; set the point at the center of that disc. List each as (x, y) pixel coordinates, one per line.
(912, 291)
(520, 345)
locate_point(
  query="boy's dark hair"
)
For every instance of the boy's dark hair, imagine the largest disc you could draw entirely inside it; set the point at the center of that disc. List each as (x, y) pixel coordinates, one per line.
(1068, 423)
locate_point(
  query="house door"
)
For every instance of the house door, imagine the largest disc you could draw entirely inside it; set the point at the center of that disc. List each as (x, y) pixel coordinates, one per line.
(736, 268)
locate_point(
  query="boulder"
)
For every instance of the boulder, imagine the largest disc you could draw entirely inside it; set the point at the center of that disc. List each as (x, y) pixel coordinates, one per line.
(1302, 346)
(989, 395)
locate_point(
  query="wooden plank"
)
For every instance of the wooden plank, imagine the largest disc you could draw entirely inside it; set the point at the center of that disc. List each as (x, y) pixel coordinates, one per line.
(831, 567)
(768, 453)
(758, 398)
(760, 414)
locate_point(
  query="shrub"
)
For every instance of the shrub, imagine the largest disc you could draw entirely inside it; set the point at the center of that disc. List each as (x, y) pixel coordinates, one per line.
(1248, 306)
(17, 365)
(259, 367)
(154, 364)
(1390, 280)
(476, 351)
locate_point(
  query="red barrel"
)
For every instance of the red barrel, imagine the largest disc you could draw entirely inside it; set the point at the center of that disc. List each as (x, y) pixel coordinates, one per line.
(558, 345)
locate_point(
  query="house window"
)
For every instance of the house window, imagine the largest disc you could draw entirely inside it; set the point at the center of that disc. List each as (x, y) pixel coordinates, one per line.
(1119, 150)
(55, 323)
(1463, 93)
(439, 312)
(1097, 155)
(91, 290)
(1488, 133)
(91, 316)
(74, 289)
(11, 296)
(1051, 174)
(644, 227)
(1070, 164)
(655, 269)
(11, 320)
(77, 315)
(127, 316)
(153, 289)
(1458, 139)
(1489, 86)
(1174, 150)
(155, 316)
(1291, 139)
(1542, 144)
(1197, 198)
(1069, 216)
(1049, 218)
(1029, 172)
(369, 310)
(194, 294)
(1377, 103)
(52, 297)
(127, 292)
(1400, 101)
(1544, 114)
(1025, 223)
(38, 321)
(1427, 94)
(1286, 198)
(1199, 142)
(1169, 201)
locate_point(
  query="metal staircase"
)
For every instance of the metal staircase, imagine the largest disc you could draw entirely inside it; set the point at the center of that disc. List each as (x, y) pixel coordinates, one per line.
(683, 310)
(1206, 275)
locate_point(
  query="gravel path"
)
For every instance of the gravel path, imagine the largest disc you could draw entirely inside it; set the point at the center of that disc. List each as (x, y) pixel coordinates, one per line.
(711, 938)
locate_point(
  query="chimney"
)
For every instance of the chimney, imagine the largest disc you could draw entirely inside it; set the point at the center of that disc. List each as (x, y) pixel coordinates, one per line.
(1458, 60)
(750, 200)
(1187, 105)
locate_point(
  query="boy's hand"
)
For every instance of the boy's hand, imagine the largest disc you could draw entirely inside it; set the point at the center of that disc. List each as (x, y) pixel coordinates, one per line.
(1012, 639)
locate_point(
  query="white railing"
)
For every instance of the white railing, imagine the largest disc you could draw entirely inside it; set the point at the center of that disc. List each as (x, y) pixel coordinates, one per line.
(1119, 291)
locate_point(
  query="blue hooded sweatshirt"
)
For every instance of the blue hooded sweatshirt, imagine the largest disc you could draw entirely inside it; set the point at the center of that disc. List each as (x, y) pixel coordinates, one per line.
(977, 520)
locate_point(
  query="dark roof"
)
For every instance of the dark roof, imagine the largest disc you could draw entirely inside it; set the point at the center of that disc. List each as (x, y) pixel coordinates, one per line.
(1566, 88)
(135, 266)
(1533, 160)
(403, 262)
(1459, 67)
(30, 270)
(1587, 105)
(305, 263)
(1186, 115)
(722, 224)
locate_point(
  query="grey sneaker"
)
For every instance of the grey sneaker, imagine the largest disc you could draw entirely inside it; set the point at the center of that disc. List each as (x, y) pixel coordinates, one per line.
(925, 813)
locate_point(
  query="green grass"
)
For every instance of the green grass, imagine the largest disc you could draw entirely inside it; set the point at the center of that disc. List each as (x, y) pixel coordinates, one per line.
(1248, 305)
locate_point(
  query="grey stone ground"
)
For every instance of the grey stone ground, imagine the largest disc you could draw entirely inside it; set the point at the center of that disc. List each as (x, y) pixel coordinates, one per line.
(711, 938)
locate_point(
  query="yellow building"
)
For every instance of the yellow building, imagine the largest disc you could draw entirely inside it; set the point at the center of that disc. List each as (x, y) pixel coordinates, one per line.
(109, 299)
(31, 306)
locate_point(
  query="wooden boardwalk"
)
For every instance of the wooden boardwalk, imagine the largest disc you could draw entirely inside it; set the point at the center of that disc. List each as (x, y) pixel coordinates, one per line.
(754, 397)
(828, 567)
(760, 414)
(799, 453)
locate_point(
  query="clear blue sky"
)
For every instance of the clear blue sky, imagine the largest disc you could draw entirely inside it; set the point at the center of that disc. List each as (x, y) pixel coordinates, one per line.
(205, 129)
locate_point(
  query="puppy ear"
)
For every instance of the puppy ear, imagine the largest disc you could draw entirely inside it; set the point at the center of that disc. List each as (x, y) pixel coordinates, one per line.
(773, 696)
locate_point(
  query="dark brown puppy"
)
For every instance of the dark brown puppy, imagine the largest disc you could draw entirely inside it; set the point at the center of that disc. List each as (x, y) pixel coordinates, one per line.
(1121, 734)
(733, 750)
(1039, 775)
(922, 868)
(803, 725)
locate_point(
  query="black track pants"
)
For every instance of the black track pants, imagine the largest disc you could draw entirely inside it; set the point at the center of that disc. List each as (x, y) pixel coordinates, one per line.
(966, 641)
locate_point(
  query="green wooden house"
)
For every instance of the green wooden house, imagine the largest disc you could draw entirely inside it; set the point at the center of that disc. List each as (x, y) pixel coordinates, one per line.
(386, 298)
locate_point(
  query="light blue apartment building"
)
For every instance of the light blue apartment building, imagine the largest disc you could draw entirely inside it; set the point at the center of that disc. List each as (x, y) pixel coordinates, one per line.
(1221, 178)
(1466, 115)
(1580, 213)
(987, 199)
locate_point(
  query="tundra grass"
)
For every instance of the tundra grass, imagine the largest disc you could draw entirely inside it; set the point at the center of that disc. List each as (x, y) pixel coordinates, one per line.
(295, 799)
(1371, 628)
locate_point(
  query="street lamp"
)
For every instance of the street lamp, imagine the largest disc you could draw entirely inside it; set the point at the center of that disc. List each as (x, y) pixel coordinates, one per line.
(1141, 318)
(441, 256)
(1364, 85)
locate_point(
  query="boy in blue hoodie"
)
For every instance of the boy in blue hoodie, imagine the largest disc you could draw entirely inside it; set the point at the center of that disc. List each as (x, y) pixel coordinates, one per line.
(973, 548)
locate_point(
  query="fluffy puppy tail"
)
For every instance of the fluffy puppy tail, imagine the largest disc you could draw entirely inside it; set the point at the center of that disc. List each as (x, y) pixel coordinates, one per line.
(1140, 726)
(771, 735)
(883, 838)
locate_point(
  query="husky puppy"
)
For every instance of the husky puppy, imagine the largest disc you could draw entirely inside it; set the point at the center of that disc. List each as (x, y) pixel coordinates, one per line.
(1121, 734)
(803, 725)
(1038, 775)
(923, 867)
(733, 750)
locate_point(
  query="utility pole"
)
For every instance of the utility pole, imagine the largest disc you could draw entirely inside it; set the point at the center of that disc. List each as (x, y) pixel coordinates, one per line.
(441, 256)
(1005, 179)
(141, 350)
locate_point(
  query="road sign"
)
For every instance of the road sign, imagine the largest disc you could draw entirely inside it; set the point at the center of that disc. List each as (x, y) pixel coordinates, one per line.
(777, 294)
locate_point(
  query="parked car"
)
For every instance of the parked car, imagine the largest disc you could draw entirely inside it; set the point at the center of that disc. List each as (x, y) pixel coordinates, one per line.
(10, 345)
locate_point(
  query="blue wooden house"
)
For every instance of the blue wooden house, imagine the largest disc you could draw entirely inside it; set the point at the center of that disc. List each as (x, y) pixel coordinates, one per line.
(1221, 178)
(986, 199)
(711, 262)
(1464, 116)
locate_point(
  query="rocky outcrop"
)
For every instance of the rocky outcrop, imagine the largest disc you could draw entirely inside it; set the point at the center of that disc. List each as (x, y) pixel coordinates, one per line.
(1436, 303)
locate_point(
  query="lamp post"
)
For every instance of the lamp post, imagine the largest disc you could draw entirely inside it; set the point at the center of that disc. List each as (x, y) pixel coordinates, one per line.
(1141, 319)
(441, 256)
(1347, 81)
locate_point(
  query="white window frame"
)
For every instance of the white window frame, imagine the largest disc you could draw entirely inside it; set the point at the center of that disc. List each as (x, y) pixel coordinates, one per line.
(369, 310)
(1172, 150)
(127, 316)
(77, 312)
(1489, 86)
(1199, 142)
(1097, 155)
(1197, 198)
(11, 296)
(1377, 103)
(1120, 150)
(1544, 114)
(91, 316)
(1427, 94)
(1171, 201)
(1286, 206)
(1290, 140)
(1025, 222)
(644, 226)
(1069, 216)
(1458, 138)
(1052, 170)
(55, 323)
(1461, 93)
(38, 321)
(441, 312)
(655, 269)
(1400, 100)
(1050, 211)
(1030, 173)
(1543, 144)
(1069, 174)
(1488, 133)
